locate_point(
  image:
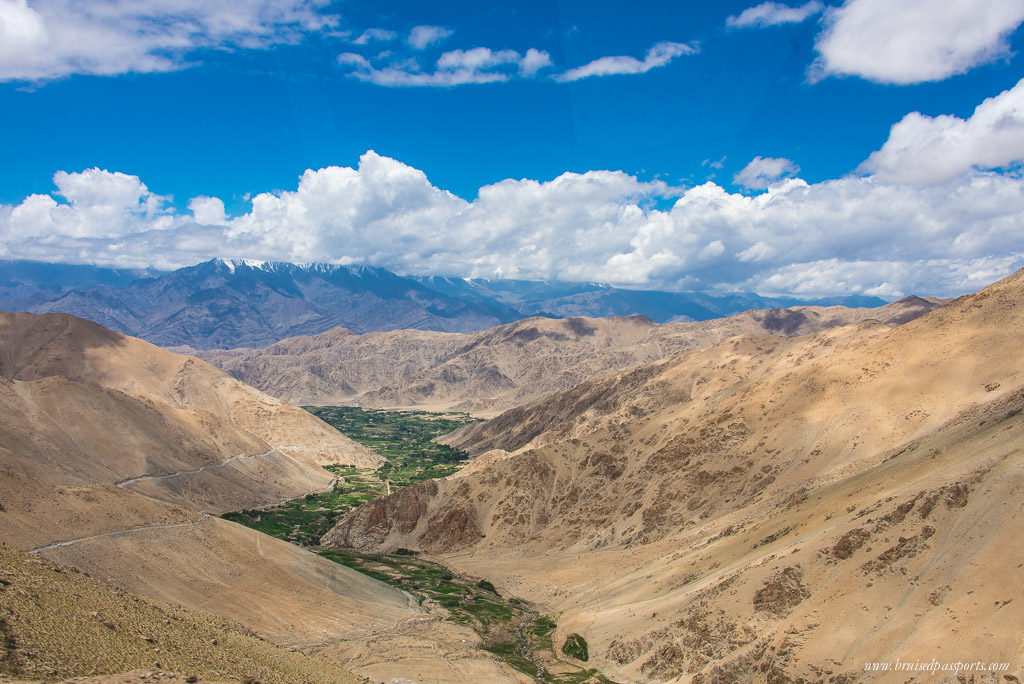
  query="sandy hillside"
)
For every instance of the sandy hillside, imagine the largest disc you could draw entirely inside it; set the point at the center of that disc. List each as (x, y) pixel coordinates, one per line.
(509, 365)
(763, 509)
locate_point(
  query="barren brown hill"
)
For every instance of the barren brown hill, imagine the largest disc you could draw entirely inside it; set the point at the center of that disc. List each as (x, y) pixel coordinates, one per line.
(114, 453)
(765, 509)
(64, 449)
(506, 366)
(35, 346)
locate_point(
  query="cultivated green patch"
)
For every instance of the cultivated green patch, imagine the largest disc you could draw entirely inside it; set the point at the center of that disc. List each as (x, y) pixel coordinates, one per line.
(508, 627)
(486, 611)
(403, 438)
(304, 521)
(575, 646)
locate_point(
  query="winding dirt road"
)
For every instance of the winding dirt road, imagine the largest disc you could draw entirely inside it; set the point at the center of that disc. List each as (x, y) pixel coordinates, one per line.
(210, 466)
(69, 542)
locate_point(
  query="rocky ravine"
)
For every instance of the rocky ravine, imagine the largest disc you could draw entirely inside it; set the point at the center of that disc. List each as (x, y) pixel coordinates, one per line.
(786, 509)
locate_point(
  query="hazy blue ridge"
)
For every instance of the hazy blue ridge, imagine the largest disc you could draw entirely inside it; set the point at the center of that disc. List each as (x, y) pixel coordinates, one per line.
(229, 303)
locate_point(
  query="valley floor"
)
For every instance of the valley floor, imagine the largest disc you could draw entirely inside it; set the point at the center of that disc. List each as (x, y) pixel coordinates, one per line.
(481, 634)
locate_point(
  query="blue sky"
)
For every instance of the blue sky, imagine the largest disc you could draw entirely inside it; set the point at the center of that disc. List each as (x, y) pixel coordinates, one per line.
(729, 145)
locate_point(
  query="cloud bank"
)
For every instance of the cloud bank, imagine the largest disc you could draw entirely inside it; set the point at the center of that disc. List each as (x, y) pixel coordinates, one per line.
(855, 234)
(56, 38)
(906, 226)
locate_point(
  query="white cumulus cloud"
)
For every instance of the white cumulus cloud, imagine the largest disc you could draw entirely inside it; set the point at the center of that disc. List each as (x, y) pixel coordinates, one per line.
(533, 61)
(421, 37)
(925, 149)
(913, 41)
(97, 204)
(54, 38)
(207, 211)
(773, 14)
(658, 55)
(763, 171)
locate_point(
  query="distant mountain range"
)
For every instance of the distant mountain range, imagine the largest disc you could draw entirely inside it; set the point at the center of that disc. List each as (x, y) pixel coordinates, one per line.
(234, 303)
(231, 303)
(509, 365)
(560, 300)
(27, 284)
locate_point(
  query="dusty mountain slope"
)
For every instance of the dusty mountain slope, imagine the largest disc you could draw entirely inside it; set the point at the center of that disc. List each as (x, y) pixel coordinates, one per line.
(114, 453)
(58, 623)
(59, 433)
(506, 366)
(334, 367)
(35, 346)
(283, 593)
(763, 508)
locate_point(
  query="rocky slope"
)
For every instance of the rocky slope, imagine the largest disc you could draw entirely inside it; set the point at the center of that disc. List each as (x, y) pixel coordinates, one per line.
(764, 508)
(509, 365)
